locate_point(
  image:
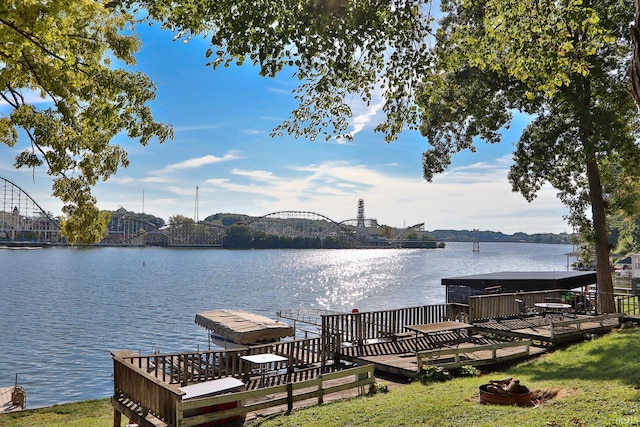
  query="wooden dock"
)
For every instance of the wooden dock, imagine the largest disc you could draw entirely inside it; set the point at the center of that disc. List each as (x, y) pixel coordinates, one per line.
(488, 343)
(403, 357)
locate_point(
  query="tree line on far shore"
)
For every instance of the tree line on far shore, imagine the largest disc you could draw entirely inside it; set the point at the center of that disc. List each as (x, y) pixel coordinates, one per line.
(497, 236)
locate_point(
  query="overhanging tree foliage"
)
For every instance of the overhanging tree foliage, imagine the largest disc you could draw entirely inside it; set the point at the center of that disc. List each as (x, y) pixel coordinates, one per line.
(67, 100)
(563, 63)
(340, 50)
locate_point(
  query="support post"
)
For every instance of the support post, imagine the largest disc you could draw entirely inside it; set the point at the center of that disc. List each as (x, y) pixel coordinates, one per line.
(289, 397)
(117, 418)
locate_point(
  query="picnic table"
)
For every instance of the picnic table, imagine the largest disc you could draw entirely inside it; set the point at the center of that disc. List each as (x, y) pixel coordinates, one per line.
(265, 362)
(551, 308)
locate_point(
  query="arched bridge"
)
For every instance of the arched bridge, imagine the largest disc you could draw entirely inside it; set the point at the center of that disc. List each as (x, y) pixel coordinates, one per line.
(23, 221)
(304, 226)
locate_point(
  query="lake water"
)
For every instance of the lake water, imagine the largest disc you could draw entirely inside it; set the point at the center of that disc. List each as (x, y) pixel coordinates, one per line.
(63, 310)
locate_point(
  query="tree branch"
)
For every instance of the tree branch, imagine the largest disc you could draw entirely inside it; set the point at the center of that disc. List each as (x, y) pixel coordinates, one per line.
(31, 38)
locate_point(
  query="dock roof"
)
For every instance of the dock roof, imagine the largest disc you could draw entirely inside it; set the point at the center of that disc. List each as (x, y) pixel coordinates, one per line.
(525, 280)
(243, 327)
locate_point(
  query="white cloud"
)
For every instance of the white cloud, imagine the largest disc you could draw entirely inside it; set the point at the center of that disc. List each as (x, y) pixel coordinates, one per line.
(187, 128)
(30, 97)
(474, 196)
(200, 161)
(181, 191)
(255, 174)
(133, 180)
(368, 116)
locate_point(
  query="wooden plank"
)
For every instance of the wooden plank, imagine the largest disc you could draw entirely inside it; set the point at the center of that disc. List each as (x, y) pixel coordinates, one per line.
(430, 328)
(403, 362)
(541, 329)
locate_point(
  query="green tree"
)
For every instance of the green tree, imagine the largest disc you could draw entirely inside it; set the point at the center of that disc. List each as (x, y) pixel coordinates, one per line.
(65, 53)
(625, 232)
(562, 63)
(180, 219)
(75, 231)
(388, 232)
(238, 236)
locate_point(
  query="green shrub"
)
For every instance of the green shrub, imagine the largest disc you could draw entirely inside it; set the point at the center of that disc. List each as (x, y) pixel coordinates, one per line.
(468, 371)
(432, 374)
(382, 388)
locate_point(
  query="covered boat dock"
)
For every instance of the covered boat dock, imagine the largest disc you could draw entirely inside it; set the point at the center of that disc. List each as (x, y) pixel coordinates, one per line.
(459, 289)
(242, 328)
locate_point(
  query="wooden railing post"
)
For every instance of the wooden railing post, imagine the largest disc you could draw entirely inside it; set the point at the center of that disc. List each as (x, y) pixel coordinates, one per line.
(323, 345)
(289, 397)
(359, 331)
(185, 370)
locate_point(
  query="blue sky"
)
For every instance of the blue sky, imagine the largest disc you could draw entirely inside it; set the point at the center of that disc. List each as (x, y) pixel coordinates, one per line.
(222, 121)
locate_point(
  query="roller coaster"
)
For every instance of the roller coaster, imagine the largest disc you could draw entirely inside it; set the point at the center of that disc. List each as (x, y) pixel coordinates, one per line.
(24, 222)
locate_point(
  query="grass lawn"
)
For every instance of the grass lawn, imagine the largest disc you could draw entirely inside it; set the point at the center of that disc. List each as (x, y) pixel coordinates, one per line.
(91, 413)
(595, 383)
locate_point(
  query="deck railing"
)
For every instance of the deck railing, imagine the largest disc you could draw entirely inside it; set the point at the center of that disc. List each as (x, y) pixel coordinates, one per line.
(628, 304)
(484, 307)
(193, 367)
(358, 328)
(576, 324)
(360, 377)
(151, 395)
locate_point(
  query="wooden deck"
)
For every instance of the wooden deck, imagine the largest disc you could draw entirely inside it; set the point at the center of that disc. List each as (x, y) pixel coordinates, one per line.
(635, 318)
(489, 343)
(151, 402)
(550, 331)
(400, 357)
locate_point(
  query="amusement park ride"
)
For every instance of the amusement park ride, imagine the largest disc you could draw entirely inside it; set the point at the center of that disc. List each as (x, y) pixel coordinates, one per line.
(23, 223)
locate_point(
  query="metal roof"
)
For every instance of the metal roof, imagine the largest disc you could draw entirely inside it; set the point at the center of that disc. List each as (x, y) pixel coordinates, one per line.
(208, 388)
(525, 280)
